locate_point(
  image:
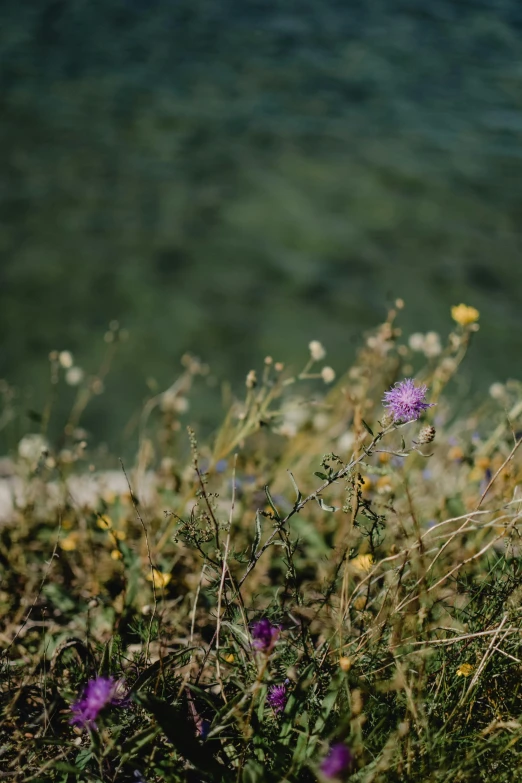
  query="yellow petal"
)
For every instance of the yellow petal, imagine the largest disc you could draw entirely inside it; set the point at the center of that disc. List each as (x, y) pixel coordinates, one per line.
(476, 474)
(230, 658)
(160, 579)
(362, 562)
(464, 670)
(345, 663)
(464, 315)
(105, 523)
(384, 485)
(366, 484)
(116, 554)
(121, 535)
(455, 453)
(70, 542)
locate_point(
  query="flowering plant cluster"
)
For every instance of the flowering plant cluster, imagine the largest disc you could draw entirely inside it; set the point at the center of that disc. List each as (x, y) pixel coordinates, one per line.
(331, 595)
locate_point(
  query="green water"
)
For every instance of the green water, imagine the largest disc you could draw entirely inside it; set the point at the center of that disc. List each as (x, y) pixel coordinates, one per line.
(237, 178)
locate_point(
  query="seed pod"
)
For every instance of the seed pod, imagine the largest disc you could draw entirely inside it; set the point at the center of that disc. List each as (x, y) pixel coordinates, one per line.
(426, 435)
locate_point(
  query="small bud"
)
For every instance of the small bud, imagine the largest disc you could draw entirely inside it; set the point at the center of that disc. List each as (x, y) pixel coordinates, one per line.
(251, 379)
(65, 358)
(497, 390)
(74, 376)
(328, 374)
(426, 435)
(317, 351)
(386, 420)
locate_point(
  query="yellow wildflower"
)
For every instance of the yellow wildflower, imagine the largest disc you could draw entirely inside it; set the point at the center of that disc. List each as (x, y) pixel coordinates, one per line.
(161, 579)
(230, 658)
(464, 670)
(116, 554)
(383, 485)
(105, 523)
(70, 542)
(455, 453)
(366, 484)
(345, 663)
(464, 315)
(476, 474)
(362, 562)
(119, 535)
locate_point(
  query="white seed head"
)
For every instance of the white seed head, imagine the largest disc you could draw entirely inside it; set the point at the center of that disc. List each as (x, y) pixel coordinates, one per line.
(328, 374)
(497, 390)
(32, 446)
(74, 376)
(317, 352)
(66, 359)
(432, 346)
(416, 341)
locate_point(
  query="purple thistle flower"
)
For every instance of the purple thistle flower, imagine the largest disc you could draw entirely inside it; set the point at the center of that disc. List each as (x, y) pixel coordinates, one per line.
(277, 697)
(338, 760)
(405, 401)
(98, 694)
(265, 635)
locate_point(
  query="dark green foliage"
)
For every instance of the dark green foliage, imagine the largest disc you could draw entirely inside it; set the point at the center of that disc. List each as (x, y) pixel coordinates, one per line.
(227, 174)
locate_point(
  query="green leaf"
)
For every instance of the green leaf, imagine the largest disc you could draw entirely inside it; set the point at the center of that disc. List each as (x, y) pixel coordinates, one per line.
(325, 506)
(272, 504)
(327, 705)
(137, 742)
(83, 758)
(177, 726)
(253, 772)
(63, 766)
(257, 536)
(297, 490)
(304, 749)
(320, 475)
(158, 667)
(367, 427)
(107, 655)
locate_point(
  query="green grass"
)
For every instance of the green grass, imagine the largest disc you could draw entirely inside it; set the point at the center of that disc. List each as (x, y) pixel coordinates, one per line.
(393, 570)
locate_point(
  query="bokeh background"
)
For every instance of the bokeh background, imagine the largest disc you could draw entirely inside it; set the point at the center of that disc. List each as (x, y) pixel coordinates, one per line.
(236, 178)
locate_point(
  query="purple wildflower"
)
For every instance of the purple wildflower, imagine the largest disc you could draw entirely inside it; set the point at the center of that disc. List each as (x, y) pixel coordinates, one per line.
(277, 697)
(405, 401)
(265, 635)
(338, 760)
(98, 694)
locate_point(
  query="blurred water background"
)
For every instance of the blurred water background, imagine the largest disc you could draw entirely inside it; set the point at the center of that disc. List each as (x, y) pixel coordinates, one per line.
(236, 178)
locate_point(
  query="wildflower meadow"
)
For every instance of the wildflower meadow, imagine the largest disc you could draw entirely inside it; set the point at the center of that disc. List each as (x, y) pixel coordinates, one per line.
(326, 588)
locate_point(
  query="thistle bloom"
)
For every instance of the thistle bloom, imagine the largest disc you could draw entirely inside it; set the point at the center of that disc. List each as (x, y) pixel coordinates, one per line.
(264, 635)
(338, 760)
(98, 694)
(277, 697)
(405, 401)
